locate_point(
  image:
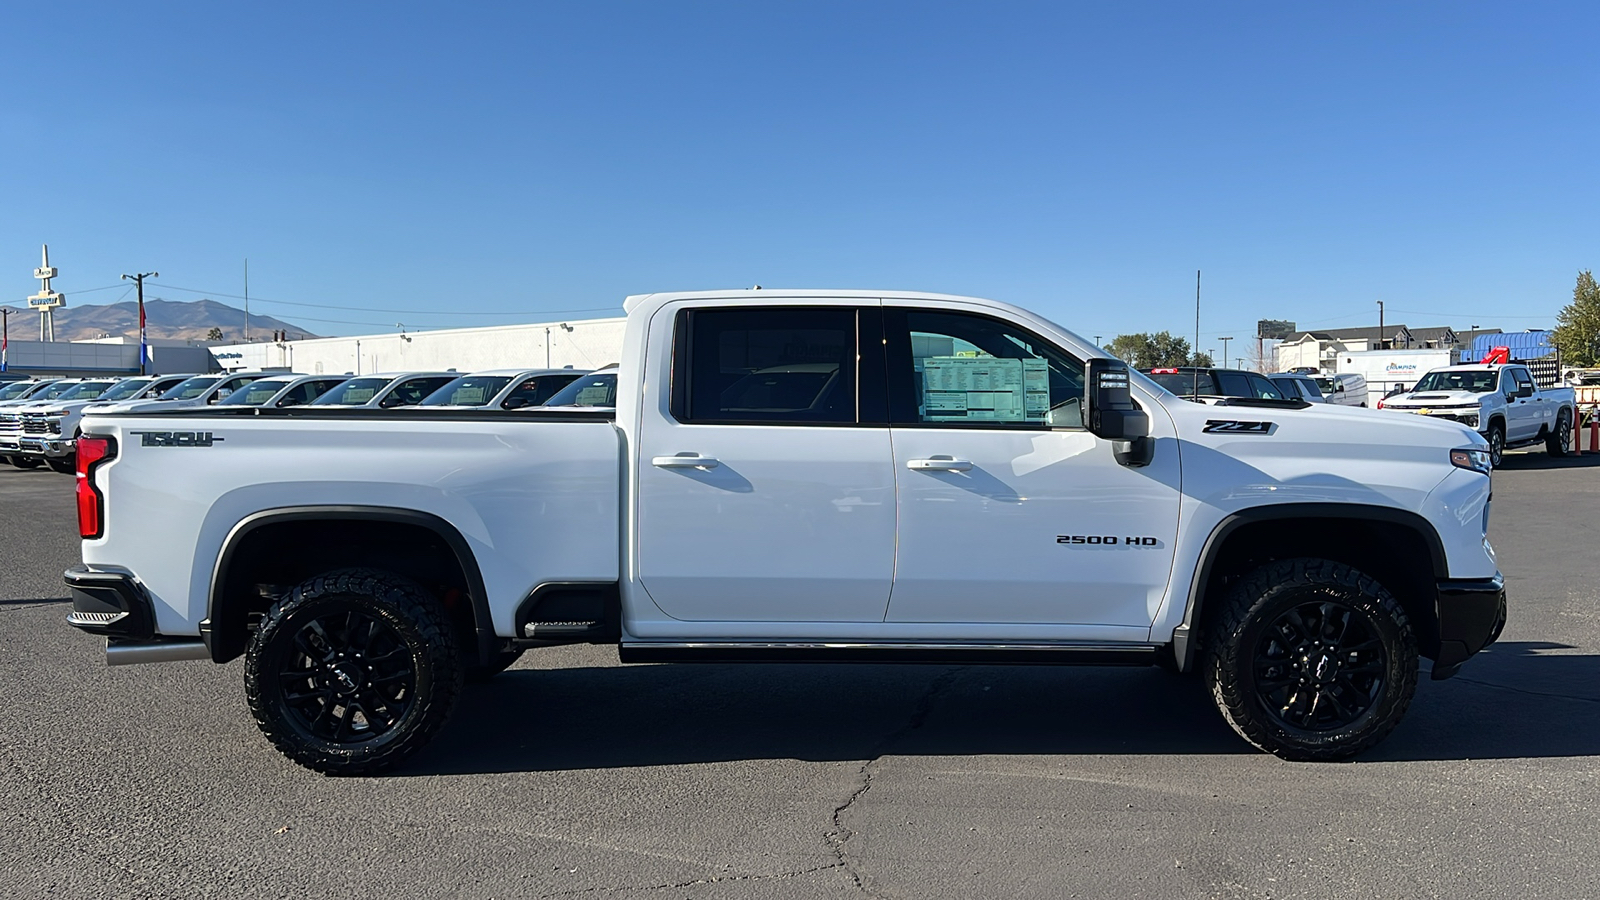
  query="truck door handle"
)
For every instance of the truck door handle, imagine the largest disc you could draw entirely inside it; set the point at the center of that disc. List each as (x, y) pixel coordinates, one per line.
(684, 461)
(939, 464)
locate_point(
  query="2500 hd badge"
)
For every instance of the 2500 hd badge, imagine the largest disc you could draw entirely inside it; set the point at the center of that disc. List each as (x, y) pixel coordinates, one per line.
(1107, 540)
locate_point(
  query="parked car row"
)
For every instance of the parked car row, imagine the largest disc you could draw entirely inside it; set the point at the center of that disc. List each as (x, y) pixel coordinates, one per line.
(39, 418)
(1499, 401)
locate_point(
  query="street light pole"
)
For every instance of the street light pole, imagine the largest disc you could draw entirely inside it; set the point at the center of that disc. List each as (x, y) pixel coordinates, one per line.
(1225, 350)
(1381, 341)
(138, 281)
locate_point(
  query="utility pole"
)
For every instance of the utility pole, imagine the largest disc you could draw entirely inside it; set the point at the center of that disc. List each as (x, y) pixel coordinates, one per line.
(1225, 350)
(138, 281)
(1382, 343)
(247, 301)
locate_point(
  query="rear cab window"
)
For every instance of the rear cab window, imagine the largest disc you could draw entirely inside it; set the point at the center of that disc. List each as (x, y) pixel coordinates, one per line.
(767, 366)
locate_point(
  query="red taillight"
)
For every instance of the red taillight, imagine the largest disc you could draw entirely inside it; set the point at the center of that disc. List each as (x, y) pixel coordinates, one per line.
(92, 450)
(1380, 404)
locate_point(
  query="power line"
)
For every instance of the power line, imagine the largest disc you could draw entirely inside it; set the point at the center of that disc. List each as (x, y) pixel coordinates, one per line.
(409, 312)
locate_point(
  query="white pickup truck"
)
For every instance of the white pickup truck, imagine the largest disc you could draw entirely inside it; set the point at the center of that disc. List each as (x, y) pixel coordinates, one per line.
(1498, 400)
(797, 476)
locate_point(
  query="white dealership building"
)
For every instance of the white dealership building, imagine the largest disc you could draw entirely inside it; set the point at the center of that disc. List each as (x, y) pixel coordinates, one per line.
(576, 343)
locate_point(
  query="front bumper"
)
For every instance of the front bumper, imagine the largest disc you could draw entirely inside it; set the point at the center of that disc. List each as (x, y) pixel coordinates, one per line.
(52, 448)
(1472, 613)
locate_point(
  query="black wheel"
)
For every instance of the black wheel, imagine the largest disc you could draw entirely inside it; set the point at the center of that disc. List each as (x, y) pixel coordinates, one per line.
(1497, 443)
(477, 674)
(25, 462)
(1555, 443)
(353, 672)
(65, 465)
(1311, 660)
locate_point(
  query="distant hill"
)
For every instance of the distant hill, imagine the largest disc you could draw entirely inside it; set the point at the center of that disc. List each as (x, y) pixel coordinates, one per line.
(172, 319)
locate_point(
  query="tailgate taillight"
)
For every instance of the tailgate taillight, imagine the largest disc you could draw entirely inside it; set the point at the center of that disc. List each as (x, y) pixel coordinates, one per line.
(92, 450)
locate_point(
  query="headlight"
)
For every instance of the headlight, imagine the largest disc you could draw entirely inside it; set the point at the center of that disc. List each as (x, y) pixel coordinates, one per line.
(1471, 458)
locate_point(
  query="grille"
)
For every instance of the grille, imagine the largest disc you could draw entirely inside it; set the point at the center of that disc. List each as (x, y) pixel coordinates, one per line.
(34, 426)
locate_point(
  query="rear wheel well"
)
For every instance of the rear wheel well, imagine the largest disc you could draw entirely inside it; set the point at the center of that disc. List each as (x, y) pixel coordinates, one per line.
(263, 562)
(1396, 555)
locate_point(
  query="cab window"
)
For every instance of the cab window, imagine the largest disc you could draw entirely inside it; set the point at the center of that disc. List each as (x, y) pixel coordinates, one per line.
(962, 370)
(772, 366)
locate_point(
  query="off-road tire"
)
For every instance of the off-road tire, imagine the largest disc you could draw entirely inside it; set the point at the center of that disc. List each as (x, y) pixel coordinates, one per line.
(378, 723)
(1497, 443)
(1555, 443)
(478, 674)
(1240, 634)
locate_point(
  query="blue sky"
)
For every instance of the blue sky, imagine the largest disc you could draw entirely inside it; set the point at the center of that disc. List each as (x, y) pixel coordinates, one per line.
(475, 166)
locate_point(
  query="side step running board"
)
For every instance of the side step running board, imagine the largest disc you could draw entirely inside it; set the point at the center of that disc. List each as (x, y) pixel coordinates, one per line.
(834, 652)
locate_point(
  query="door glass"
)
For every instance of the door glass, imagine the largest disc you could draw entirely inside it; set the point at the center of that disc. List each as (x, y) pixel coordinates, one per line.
(970, 370)
(1263, 389)
(1235, 384)
(767, 366)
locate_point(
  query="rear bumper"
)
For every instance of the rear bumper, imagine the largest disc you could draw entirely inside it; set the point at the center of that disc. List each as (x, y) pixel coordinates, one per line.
(109, 603)
(1472, 612)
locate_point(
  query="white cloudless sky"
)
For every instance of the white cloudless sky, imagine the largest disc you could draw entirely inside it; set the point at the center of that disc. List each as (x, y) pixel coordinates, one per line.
(460, 164)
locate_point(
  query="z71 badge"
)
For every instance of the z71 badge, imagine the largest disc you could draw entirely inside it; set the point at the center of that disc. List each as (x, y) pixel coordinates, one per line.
(176, 438)
(1231, 426)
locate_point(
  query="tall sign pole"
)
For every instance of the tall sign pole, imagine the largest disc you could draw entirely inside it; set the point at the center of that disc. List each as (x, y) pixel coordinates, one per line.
(46, 300)
(138, 281)
(5, 336)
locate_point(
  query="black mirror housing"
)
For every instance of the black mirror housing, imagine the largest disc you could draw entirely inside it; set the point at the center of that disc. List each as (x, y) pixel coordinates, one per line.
(1112, 413)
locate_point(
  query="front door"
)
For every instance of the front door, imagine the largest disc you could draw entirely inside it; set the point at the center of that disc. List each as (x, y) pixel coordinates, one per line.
(1010, 511)
(765, 481)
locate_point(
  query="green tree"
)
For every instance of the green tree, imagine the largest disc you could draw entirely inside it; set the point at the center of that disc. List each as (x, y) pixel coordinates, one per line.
(1577, 332)
(215, 334)
(1155, 351)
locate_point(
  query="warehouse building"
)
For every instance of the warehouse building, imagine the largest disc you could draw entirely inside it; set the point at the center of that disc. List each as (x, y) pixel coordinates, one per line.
(579, 344)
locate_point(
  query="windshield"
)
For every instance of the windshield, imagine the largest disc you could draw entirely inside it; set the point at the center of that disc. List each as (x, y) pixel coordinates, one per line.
(589, 390)
(1482, 382)
(468, 390)
(122, 390)
(13, 391)
(354, 392)
(188, 390)
(86, 390)
(255, 393)
(55, 390)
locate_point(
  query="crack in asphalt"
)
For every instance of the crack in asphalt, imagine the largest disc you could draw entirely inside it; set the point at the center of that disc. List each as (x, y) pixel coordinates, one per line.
(716, 879)
(1533, 693)
(840, 834)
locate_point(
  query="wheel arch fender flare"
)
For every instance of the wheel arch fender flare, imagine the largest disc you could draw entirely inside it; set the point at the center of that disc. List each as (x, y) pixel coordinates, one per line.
(478, 594)
(1184, 645)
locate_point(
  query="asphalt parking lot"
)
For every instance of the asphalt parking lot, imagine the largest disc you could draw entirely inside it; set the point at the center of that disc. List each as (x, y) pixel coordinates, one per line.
(573, 776)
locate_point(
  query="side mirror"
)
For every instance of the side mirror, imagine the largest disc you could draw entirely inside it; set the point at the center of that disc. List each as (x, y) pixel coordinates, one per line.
(1112, 414)
(514, 402)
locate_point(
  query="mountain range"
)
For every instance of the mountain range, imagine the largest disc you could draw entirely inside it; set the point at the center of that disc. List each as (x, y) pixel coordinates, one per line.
(169, 319)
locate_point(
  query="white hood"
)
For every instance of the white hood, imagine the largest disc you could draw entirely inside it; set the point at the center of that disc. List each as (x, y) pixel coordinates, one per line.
(1434, 398)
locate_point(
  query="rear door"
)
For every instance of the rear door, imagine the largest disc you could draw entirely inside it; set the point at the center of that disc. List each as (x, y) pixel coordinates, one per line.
(765, 481)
